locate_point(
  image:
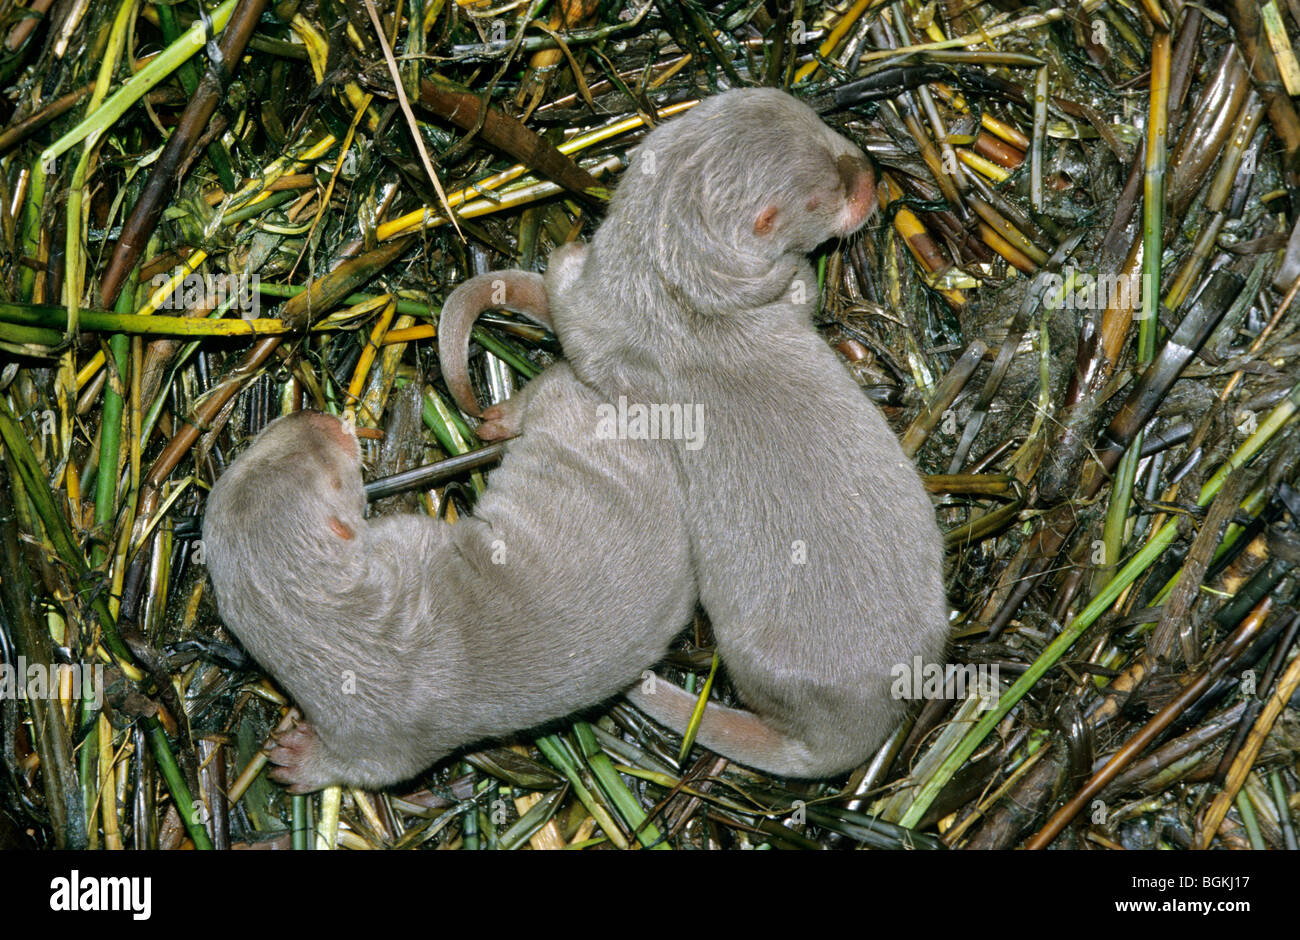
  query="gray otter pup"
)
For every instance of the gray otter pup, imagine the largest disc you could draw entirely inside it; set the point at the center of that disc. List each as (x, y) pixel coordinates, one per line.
(405, 638)
(814, 543)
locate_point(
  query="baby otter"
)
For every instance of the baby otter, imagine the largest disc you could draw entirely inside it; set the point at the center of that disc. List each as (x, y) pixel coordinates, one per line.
(813, 541)
(404, 638)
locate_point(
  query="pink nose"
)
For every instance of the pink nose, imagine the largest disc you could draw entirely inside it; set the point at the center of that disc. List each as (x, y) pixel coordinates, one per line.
(860, 186)
(334, 429)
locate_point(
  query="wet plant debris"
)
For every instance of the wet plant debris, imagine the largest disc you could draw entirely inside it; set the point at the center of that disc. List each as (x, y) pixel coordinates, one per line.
(1075, 306)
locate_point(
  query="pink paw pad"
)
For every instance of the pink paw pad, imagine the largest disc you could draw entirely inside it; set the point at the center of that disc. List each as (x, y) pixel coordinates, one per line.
(294, 754)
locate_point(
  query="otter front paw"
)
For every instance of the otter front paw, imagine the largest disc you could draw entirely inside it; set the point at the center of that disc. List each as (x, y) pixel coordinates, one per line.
(299, 758)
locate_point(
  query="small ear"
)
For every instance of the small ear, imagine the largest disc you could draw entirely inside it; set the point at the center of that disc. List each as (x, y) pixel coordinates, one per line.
(765, 223)
(341, 529)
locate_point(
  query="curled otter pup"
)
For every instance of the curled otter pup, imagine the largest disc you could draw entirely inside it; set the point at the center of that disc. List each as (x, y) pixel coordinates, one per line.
(814, 543)
(404, 638)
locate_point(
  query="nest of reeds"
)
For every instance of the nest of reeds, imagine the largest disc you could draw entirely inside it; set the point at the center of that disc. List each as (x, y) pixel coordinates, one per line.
(1075, 307)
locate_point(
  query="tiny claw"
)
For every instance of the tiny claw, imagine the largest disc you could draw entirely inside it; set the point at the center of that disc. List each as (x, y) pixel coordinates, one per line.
(294, 753)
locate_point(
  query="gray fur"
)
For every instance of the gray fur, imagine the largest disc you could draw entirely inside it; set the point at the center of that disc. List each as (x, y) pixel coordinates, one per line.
(399, 637)
(697, 289)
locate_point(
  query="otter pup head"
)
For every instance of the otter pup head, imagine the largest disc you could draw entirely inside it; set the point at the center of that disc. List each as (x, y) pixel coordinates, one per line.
(301, 479)
(737, 191)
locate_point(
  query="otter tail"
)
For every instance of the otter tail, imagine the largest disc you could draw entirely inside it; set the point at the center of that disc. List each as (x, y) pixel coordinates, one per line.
(517, 291)
(738, 735)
